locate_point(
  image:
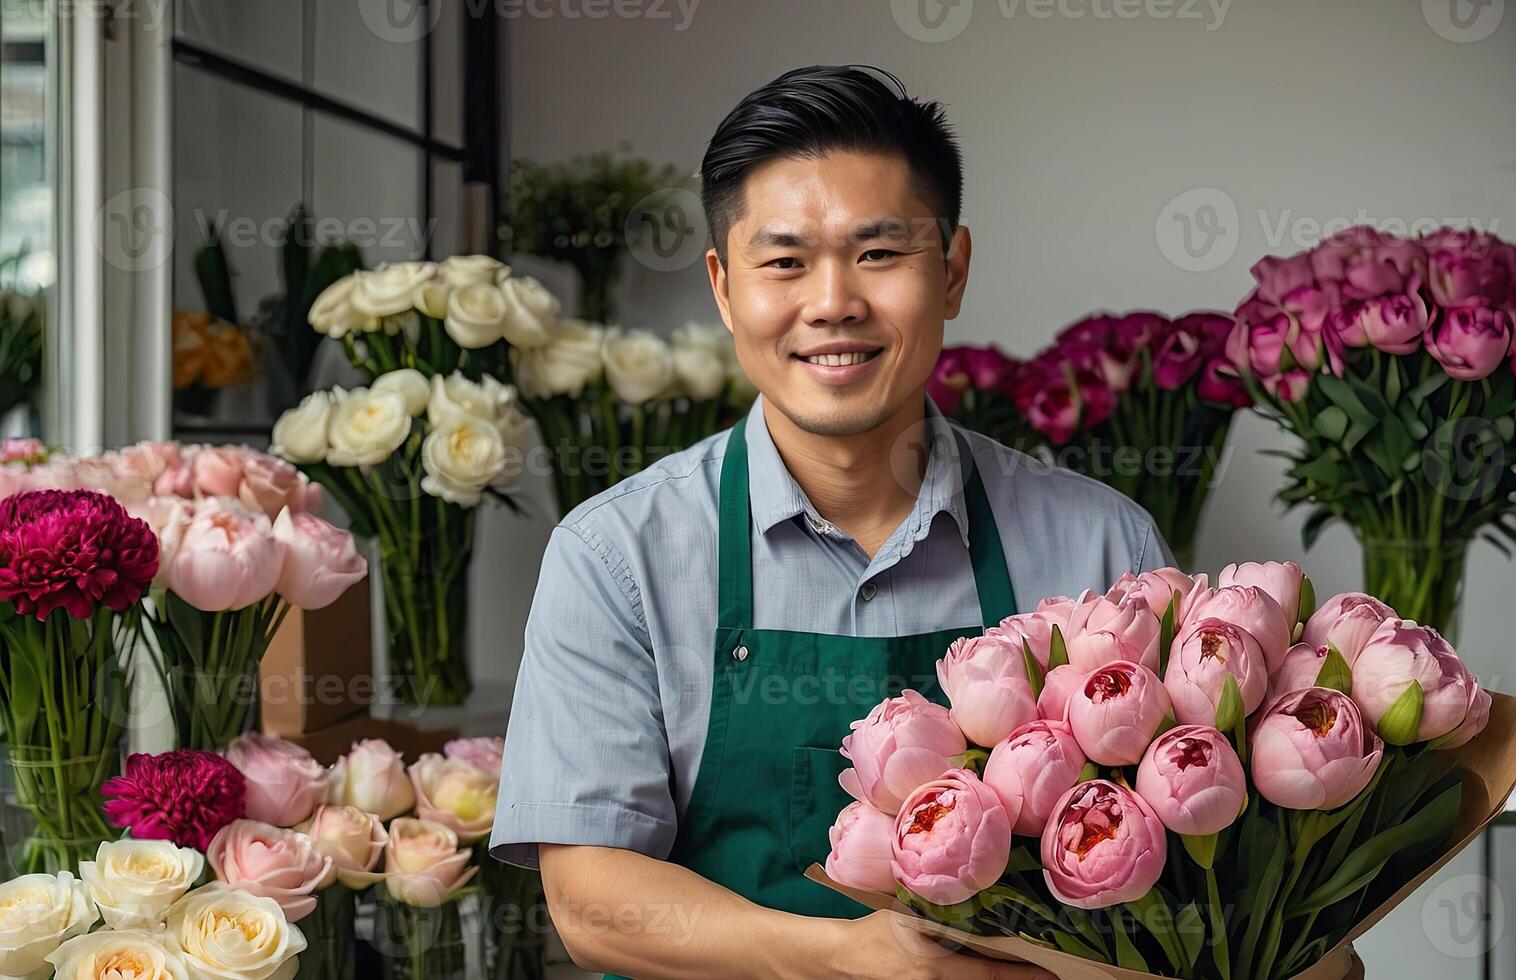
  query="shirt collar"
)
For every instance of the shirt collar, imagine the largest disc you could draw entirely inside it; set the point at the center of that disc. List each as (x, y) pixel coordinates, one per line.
(775, 496)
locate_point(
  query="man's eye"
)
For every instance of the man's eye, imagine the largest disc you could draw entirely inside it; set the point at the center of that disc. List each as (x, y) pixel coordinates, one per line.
(879, 254)
(783, 262)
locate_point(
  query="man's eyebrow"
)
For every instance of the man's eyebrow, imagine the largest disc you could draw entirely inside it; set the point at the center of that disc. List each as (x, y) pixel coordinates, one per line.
(870, 230)
(773, 238)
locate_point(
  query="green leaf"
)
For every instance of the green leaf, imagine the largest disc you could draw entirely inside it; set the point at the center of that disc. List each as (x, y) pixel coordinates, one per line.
(1307, 598)
(1331, 422)
(1022, 859)
(1033, 668)
(1058, 651)
(1269, 853)
(1166, 632)
(1126, 953)
(1189, 926)
(25, 685)
(1202, 850)
(1089, 772)
(1335, 672)
(1401, 723)
(1425, 389)
(1152, 910)
(1069, 944)
(1231, 708)
(1342, 394)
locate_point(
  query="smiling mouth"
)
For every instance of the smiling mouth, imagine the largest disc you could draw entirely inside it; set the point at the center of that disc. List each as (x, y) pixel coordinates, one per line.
(844, 359)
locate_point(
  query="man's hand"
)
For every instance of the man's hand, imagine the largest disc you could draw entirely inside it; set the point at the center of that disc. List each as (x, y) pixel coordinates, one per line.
(877, 946)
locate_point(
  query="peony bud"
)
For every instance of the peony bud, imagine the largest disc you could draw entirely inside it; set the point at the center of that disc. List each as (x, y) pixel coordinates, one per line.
(952, 839)
(1116, 713)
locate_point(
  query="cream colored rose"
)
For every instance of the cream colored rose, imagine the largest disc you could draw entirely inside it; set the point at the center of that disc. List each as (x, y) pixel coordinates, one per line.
(300, 434)
(530, 310)
(457, 794)
(700, 363)
(39, 913)
(135, 881)
(390, 289)
(228, 934)
(569, 361)
(372, 778)
(476, 315)
(410, 383)
(461, 459)
(458, 271)
(638, 365)
(129, 954)
(366, 426)
(455, 397)
(431, 298)
(423, 865)
(334, 314)
(353, 839)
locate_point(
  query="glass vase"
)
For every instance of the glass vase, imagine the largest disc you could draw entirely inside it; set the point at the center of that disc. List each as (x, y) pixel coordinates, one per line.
(515, 916)
(330, 937)
(421, 943)
(1420, 580)
(60, 820)
(424, 562)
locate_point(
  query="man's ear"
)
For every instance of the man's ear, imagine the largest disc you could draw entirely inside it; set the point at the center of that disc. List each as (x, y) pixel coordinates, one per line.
(959, 250)
(717, 273)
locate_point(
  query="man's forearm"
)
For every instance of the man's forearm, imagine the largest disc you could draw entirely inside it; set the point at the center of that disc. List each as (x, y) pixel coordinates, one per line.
(624, 912)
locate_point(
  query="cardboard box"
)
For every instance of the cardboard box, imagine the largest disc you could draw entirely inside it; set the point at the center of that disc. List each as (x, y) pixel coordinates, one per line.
(318, 670)
(1489, 763)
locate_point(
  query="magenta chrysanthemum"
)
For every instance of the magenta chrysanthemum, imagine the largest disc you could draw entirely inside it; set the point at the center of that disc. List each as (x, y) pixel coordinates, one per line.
(74, 550)
(184, 796)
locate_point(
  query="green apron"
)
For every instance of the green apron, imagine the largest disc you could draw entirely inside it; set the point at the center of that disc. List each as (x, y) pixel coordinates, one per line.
(767, 792)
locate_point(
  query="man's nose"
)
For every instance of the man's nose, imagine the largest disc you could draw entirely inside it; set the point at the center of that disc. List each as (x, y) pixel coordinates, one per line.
(834, 298)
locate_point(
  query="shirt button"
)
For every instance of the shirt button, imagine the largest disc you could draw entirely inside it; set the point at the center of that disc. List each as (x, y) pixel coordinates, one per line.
(740, 653)
(868, 591)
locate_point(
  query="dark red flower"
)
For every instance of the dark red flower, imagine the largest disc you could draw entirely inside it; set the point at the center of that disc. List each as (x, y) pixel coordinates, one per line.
(72, 549)
(184, 796)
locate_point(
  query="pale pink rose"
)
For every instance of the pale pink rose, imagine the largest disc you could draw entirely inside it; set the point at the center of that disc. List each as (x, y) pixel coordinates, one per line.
(1102, 631)
(217, 470)
(1312, 751)
(1254, 610)
(985, 679)
(952, 839)
(1192, 778)
(272, 862)
(1473, 723)
(1116, 712)
(1157, 589)
(176, 481)
(1300, 670)
(1401, 653)
(285, 783)
(320, 561)
(354, 841)
(861, 851)
(423, 865)
(1346, 621)
(269, 484)
(149, 460)
(485, 751)
(903, 742)
(1280, 579)
(1207, 651)
(457, 794)
(1062, 681)
(223, 557)
(372, 777)
(1032, 769)
(1103, 845)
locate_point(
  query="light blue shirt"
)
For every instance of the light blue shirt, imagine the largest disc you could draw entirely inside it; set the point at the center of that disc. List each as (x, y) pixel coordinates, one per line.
(609, 717)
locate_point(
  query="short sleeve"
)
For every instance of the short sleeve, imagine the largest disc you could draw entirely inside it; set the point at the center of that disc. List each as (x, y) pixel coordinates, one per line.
(586, 752)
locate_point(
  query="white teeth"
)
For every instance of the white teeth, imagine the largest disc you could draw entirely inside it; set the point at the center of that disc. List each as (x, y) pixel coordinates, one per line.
(841, 360)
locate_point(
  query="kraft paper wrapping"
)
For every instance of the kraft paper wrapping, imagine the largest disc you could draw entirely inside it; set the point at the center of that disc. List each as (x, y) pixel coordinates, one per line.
(1489, 763)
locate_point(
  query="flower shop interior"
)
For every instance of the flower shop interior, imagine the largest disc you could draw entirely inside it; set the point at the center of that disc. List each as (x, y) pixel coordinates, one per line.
(255, 253)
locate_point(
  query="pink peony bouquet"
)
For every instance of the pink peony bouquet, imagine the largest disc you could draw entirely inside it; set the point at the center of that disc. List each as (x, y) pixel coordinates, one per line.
(1139, 401)
(1181, 777)
(1392, 361)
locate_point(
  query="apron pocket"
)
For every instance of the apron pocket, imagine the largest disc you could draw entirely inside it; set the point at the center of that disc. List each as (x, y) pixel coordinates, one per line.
(815, 800)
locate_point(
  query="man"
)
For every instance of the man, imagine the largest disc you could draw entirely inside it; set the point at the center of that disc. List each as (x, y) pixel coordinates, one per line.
(704, 632)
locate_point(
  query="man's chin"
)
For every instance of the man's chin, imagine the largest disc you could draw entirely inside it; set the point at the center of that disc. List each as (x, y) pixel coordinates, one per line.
(840, 420)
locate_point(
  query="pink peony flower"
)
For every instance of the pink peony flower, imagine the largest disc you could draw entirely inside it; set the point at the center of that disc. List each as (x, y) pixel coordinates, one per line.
(1473, 723)
(270, 485)
(1399, 654)
(1032, 769)
(74, 550)
(270, 861)
(1116, 712)
(1346, 621)
(185, 796)
(1254, 610)
(1312, 751)
(1280, 579)
(903, 742)
(223, 557)
(1192, 778)
(1057, 686)
(1157, 589)
(285, 783)
(1103, 845)
(1300, 670)
(217, 470)
(320, 561)
(985, 679)
(952, 839)
(23, 450)
(1103, 631)
(1207, 651)
(861, 849)
(1036, 629)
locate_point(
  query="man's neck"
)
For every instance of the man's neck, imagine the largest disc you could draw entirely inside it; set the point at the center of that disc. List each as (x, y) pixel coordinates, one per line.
(865, 484)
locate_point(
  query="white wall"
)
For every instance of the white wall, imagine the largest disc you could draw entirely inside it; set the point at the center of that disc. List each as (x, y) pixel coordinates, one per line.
(1079, 132)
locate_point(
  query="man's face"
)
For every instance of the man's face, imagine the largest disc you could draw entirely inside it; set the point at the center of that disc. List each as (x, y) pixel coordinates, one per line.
(836, 288)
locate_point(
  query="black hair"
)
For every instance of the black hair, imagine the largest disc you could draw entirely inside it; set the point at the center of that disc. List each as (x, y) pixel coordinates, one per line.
(809, 112)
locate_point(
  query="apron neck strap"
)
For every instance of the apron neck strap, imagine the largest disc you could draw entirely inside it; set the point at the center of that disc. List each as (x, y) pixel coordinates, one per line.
(992, 580)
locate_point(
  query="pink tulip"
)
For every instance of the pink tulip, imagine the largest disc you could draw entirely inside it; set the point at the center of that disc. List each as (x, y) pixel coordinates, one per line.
(1400, 653)
(223, 557)
(1057, 686)
(266, 860)
(862, 840)
(903, 743)
(1467, 267)
(1192, 778)
(1300, 670)
(1203, 656)
(1031, 769)
(1103, 845)
(1473, 722)
(985, 679)
(1312, 751)
(1470, 342)
(269, 484)
(320, 561)
(285, 783)
(1290, 386)
(1394, 324)
(1278, 276)
(1116, 712)
(1280, 579)
(1346, 621)
(217, 470)
(1254, 610)
(1102, 631)
(952, 839)
(1220, 383)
